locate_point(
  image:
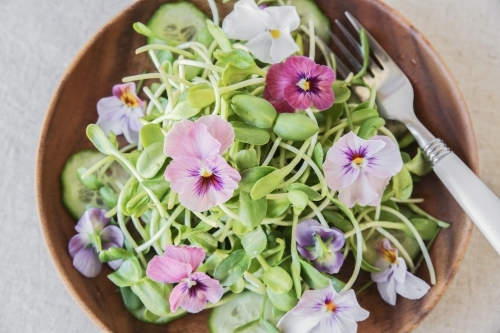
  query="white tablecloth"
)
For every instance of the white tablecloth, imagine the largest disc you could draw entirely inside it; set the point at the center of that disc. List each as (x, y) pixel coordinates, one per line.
(38, 40)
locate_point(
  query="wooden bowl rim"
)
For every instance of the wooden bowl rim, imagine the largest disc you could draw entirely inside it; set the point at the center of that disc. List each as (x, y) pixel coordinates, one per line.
(457, 95)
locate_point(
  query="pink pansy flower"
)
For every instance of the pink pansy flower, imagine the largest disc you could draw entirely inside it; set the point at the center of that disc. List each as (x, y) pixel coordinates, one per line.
(120, 113)
(198, 172)
(394, 278)
(267, 30)
(299, 83)
(94, 232)
(320, 245)
(324, 310)
(178, 265)
(361, 169)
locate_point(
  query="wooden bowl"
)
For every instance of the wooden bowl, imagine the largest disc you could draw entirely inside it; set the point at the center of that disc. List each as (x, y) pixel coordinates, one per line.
(109, 56)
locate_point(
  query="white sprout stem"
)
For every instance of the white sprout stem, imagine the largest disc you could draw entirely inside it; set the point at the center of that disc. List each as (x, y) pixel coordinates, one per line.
(412, 200)
(152, 98)
(141, 77)
(425, 253)
(157, 95)
(199, 64)
(96, 166)
(243, 84)
(165, 47)
(229, 212)
(160, 232)
(182, 73)
(333, 130)
(204, 55)
(274, 220)
(318, 214)
(272, 151)
(322, 206)
(215, 12)
(217, 94)
(187, 218)
(121, 222)
(206, 220)
(225, 231)
(385, 131)
(140, 228)
(398, 245)
(312, 41)
(153, 224)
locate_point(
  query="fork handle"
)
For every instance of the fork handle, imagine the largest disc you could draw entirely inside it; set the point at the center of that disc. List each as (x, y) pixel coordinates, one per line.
(477, 200)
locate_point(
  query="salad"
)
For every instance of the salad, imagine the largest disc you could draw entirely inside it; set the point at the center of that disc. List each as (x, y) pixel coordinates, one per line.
(238, 173)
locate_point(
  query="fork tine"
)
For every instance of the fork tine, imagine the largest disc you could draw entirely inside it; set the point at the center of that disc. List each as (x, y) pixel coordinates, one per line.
(375, 47)
(341, 67)
(350, 57)
(350, 38)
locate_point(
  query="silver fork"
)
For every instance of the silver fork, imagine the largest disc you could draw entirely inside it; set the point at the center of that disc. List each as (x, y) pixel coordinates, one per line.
(395, 101)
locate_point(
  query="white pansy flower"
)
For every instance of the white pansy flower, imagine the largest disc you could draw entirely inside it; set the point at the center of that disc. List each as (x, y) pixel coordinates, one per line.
(268, 31)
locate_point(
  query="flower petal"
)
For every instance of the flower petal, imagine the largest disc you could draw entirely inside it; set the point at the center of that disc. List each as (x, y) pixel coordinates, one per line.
(291, 323)
(114, 264)
(211, 287)
(329, 263)
(188, 139)
(348, 306)
(280, 17)
(92, 220)
(312, 303)
(387, 161)
(77, 242)
(360, 191)
(182, 296)
(166, 270)
(378, 185)
(400, 271)
(387, 291)
(110, 109)
(87, 262)
(126, 88)
(130, 135)
(308, 254)
(304, 233)
(182, 171)
(338, 176)
(413, 288)
(298, 67)
(112, 234)
(260, 46)
(281, 105)
(335, 323)
(187, 254)
(220, 129)
(283, 46)
(245, 22)
(276, 80)
(324, 74)
(385, 273)
(322, 100)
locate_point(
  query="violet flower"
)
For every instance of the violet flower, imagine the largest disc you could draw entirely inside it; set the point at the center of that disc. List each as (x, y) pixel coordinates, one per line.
(120, 113)
(267, 30)
(361, 169)
(94, 235)
(320, 245)
(178, 265)
(197, 172)
(324, 310)
(299, 83)
(394, 278)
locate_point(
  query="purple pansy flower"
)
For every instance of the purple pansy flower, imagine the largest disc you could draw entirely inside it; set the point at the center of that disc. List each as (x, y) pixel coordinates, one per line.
(394, 278)
(94, 234)
(198, 172)
(120, 113)
(178, 265)
(324, 310)
(361, 169)
(320, 245)
(299, 83)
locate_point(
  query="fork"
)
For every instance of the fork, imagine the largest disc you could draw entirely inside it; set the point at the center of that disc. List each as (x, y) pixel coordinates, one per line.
(395, 101)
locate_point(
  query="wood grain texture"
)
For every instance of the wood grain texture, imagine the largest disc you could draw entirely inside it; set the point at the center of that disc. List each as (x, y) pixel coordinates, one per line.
(110, 56)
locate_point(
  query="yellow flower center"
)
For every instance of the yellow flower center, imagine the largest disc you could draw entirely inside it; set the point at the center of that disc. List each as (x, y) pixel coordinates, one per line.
(330, 306)
(388, 255)
(129, 99)
(205, 172)
(358, 161)
(304, 85)
(275, 33)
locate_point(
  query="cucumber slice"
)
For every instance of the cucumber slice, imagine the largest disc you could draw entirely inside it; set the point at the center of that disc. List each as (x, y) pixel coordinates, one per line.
(180, 22)
(75, 196)
(307, 9)
(242, 309)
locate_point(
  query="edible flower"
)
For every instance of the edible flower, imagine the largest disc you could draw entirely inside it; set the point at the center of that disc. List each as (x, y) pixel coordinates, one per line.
(198, 172)
(178, 265)
(321, 245)
(393, 277)
(324, 310)
(268, 30)
(299, 83)
(120, 113)
(361, 169)
(94, 235)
